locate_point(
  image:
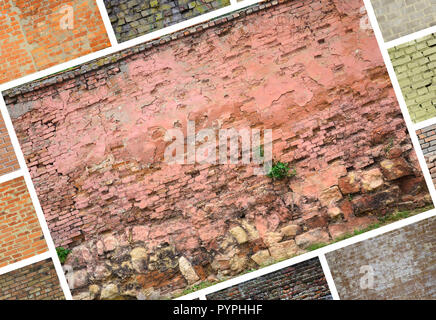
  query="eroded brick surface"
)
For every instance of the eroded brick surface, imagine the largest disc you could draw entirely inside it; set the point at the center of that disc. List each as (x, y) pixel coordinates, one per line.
(20, 234)
(302, 281)
(398, 18)
(415, 66)
(8, 160)
(32, 36)
(133, 18)
(94, 142)
(400, 264)
(37, 281)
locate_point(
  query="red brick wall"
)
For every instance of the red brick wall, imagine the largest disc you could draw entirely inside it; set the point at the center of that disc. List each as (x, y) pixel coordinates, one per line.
(37, 281)
(21, 236)
(8, 160)
(31, 37)
(94, 145)
(302, 281)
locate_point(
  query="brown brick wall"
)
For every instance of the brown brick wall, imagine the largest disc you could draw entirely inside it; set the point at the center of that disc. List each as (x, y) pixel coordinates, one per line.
(302, 281)
(31, 37)
(37, 281)
(402, 262)
(21, 236)
(8, 159)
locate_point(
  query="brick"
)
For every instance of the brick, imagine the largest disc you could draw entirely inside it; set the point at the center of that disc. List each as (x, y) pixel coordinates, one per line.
(8, 160)
(37, 281)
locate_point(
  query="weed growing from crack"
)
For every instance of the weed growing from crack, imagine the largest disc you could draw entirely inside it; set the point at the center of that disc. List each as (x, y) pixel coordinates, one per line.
(280, 171)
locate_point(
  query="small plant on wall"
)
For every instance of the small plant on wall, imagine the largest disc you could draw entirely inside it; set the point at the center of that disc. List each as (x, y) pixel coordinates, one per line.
(280, 171)
(62, 254)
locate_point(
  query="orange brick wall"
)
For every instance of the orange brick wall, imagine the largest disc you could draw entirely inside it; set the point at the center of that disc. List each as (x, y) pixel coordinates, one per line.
(21, 236)
(8, 160)
(31, 37)
(38, 281)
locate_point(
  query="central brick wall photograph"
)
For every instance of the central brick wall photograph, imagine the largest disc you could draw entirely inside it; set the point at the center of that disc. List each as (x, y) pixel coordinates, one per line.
(141, 228)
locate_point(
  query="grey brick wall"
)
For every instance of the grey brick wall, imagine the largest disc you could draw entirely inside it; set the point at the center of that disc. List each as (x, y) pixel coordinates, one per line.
(302, 281)
(133, 18)
(402, 263)
(415, 66)
(398, 18)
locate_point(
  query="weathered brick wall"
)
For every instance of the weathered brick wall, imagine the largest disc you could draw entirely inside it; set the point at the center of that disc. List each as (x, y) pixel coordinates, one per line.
(20, 234)
(94, 143)
(32, 39)
(398, 18)
(302, 281)
(37, 281)
(8, 160)
(402, 262)
(427, 140)
(133, 18)
(415, 66)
